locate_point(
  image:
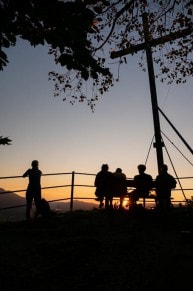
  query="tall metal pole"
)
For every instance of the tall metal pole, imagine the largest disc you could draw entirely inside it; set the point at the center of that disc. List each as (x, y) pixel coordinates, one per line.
(149, 42)
(158, 140)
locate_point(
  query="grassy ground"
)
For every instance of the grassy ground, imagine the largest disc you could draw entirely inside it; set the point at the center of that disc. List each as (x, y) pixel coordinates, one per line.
(98, 250)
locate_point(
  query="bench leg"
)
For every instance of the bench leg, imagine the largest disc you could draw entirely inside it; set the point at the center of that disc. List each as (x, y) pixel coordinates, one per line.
(144, 202)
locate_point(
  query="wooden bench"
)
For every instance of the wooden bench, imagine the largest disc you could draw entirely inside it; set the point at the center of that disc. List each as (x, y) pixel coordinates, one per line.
(130, 183)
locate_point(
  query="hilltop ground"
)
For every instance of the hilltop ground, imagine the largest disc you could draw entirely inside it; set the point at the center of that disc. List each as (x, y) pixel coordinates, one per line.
(98, 250)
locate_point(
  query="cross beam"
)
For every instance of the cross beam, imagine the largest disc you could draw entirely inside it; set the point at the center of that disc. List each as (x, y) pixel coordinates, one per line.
(147, 45)
(152, 42)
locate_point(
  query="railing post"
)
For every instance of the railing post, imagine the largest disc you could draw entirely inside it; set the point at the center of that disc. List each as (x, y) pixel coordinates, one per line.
(72, 191)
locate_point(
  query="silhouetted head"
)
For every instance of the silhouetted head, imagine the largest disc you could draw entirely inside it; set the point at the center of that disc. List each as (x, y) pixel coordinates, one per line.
(164, 168)
(141, 168)
(34, 164)
(105, 167)
(118, 170)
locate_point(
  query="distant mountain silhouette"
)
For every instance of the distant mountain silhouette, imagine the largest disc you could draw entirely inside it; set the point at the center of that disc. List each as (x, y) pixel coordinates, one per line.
(10, 199)
(15, 214)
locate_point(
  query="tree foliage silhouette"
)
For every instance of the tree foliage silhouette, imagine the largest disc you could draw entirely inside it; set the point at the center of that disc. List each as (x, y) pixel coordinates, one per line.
(5, 140)
(83, 34)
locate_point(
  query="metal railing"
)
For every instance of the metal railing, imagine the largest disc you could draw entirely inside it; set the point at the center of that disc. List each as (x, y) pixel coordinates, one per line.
(72, 185)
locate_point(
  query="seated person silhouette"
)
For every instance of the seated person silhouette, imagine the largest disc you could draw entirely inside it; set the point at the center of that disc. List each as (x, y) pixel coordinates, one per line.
(164, 184)
(103, 184)
(143, 183)
(119, 185)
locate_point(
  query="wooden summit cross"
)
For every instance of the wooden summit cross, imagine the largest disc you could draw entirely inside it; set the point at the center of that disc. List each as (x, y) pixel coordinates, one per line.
(147, 45)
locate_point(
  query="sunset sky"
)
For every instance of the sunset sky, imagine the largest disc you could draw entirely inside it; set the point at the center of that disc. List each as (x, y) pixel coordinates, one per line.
(67, 138)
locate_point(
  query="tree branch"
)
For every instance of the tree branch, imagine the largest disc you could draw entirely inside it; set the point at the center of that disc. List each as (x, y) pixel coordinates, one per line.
(114, 22)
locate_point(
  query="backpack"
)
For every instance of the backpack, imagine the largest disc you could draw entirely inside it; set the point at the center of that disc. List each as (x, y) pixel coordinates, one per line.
(45, 210)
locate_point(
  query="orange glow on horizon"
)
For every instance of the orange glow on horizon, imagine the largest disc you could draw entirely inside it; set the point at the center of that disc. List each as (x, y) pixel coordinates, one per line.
(59, 187)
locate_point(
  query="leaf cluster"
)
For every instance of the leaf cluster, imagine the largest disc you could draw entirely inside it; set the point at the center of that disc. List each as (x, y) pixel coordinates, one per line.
(82, 35)
(64, 26)
(170, 21)
(5, 140)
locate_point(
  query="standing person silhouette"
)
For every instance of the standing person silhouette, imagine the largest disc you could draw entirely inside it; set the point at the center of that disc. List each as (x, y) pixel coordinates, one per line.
(164, 184)
(34, 189)
(103, 184)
